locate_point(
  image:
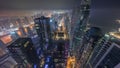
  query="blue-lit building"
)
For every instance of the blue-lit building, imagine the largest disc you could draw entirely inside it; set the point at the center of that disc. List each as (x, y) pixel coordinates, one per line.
(49, 62)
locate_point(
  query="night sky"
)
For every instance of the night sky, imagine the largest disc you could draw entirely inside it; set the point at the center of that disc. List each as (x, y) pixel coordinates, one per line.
(104, 14)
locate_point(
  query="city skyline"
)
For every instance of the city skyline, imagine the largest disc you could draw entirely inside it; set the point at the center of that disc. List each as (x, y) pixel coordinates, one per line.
(60, 34)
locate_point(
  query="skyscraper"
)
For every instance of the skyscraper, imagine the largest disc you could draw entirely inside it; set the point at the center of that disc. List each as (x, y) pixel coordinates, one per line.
(23, 52)
(87, 44)
(43, 29)
(105, 54)
(79, 20)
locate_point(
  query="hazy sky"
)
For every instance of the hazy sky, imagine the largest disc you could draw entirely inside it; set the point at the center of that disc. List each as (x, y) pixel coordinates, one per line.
(21, 7)
(104, 13)
(37, 4)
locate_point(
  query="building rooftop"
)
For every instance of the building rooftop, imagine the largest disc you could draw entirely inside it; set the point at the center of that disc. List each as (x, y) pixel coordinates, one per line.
(116, 37)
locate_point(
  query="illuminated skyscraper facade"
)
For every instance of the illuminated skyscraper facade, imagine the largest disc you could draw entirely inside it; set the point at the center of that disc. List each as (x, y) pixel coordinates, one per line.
(43, 29)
